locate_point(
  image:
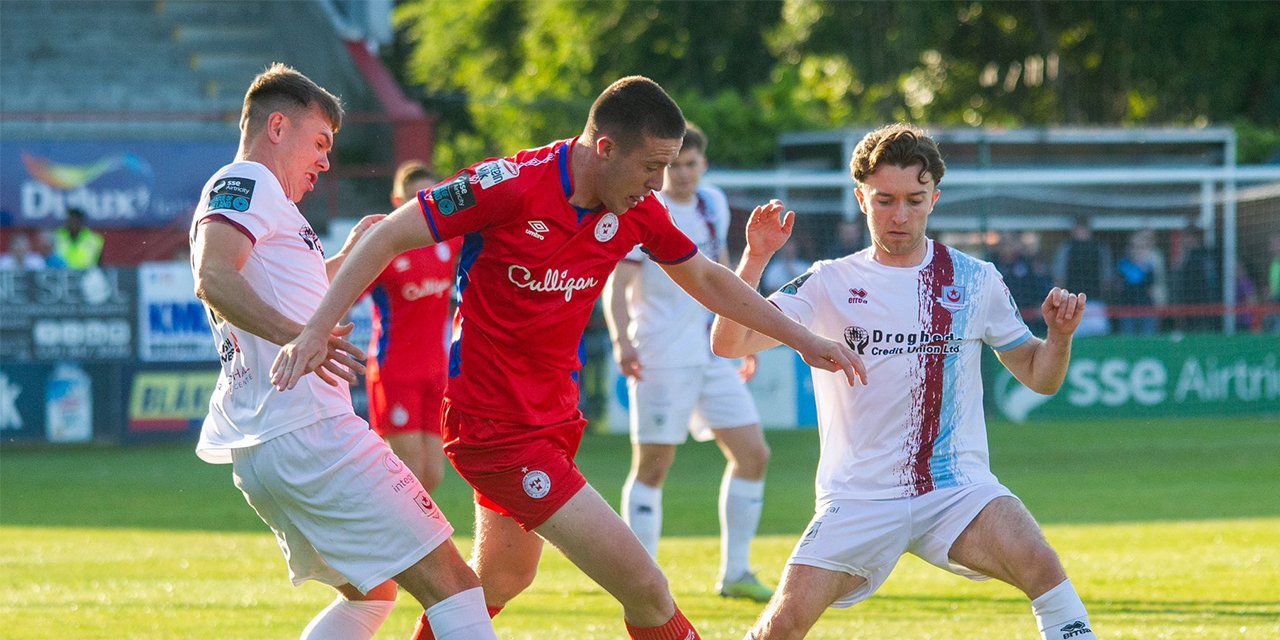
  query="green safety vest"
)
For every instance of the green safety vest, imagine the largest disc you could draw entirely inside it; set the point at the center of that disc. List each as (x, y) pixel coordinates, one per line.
(81, 253)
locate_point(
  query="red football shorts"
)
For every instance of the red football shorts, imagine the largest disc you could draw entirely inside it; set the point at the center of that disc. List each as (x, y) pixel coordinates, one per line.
(399, 407)
(525, 472)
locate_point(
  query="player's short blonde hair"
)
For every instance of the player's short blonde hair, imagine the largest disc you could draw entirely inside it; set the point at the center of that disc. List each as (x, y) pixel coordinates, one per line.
(283, 88)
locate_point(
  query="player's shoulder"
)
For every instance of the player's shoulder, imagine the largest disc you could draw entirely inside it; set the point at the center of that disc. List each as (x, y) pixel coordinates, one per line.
(713, 195)
(512, 175)
(240, 185)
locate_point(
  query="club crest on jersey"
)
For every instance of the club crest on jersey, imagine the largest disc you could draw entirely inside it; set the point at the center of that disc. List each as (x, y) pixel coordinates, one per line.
(952, 298)
(231, 193)
(427, 505)
(492, 173)
(607, 228)
(537, 484)
(454, 196)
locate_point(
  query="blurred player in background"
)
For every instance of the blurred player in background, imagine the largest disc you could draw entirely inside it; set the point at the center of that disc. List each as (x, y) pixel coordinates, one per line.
(312, 469)
(676, 385)
(408, 354)
(904, 464)
(543, 230)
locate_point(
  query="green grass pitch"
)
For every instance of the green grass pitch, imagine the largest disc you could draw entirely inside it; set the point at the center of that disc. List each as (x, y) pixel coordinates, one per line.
(1169, 530)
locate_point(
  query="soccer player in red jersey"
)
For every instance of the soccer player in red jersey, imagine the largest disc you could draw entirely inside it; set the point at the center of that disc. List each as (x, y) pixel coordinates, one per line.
(405, 375)
(543, 229)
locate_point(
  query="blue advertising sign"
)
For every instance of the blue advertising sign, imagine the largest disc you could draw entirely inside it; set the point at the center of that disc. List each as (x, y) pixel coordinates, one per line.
(117, 184)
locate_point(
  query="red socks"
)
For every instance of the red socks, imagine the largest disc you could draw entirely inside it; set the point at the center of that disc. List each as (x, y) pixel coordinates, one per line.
(423, 630)
(677, 628)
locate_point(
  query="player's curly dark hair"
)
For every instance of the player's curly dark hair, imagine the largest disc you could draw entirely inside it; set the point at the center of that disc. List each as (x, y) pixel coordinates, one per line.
(283, 88)
(900, 145)
(634, 108)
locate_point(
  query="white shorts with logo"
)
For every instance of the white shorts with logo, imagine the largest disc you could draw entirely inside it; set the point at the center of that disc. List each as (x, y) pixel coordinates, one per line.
(343, 507)
(867, 537)
(670, 403)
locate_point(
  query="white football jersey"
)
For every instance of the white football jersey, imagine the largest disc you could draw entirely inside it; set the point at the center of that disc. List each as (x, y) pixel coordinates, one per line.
(668, 327)
(918, 424)
(286, 268)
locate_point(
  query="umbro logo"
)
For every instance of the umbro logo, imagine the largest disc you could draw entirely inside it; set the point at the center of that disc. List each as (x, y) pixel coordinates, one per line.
(1077, 628)
(858, 296)
(536, 229)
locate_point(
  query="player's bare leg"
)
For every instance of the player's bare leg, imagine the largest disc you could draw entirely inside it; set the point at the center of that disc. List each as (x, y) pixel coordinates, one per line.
(741, 503)
(596, 540)
(642, 492)
(504, 556)
(423, 453)
(450, 592)
(805, 592)
(1005, 542)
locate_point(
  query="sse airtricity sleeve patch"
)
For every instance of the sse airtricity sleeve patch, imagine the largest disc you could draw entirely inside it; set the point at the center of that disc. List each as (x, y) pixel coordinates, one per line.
(455, 196)
(233, 194)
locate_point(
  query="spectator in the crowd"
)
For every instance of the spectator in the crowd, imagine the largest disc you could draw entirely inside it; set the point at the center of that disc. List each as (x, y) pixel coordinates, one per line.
(848, 239)
(1083, 264)
(1197, 280)
(76, 244)
(1246, 295)
(43, 245)
(1023, 275)
(1140, 283)
(1273, 281)
(20, 256)
(786, 266)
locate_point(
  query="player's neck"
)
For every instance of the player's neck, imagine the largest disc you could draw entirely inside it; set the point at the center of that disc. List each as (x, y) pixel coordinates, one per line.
(582, 171)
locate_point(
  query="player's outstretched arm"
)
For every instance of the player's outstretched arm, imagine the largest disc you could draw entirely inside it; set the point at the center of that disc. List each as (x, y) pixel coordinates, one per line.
(332, 265)
(618, 317)
(401, 231)
(718, 289)
(1041, 365)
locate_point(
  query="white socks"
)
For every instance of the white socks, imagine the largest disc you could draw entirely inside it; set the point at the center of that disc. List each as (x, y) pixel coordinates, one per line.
(642, 511)
(348, 620)
(741, 502)
(1060, 615)
(462, 616)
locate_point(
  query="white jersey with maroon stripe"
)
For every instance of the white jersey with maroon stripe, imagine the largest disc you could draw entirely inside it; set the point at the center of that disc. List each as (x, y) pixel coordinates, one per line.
(286, 269)
(918, 425)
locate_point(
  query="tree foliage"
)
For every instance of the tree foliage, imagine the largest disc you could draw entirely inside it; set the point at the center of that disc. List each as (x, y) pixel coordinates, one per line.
(509, 74)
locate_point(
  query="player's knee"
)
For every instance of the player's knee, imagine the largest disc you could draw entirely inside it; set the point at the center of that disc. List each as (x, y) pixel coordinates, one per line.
(752, 462)
(648, 593)
(431, 477)
(506, 583)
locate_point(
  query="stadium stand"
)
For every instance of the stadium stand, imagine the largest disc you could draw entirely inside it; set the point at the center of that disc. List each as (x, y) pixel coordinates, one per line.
(175, 71)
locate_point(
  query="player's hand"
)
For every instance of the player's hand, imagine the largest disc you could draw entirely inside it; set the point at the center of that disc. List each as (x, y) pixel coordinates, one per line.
(769, 228)
(327, 355)
(747, 370)
(624, 353)
(1063, 311)
(358, 231)
(830, 355)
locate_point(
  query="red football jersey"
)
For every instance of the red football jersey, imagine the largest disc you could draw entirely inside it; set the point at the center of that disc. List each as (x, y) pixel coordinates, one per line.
(531, 269)
(411, 319)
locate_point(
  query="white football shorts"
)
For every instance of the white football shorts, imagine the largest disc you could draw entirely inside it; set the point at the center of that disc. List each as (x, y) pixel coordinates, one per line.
(343, 507)
(670, 403)
(867, 537)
